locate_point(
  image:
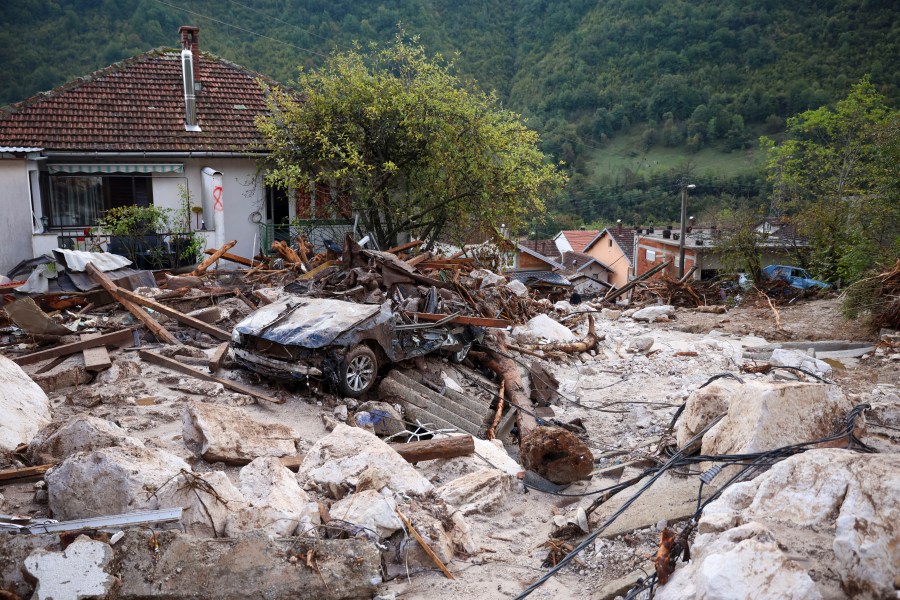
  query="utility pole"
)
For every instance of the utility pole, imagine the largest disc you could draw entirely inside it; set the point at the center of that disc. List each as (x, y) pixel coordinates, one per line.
(684, 192)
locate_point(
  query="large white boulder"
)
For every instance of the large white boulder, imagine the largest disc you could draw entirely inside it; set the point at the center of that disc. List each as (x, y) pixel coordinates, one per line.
(81, 433)
(276, 502)
(225, 433)
(834, 498)
(763, 416)
(346, 452)
(207, 500)
(370, 510)
(744, 563)
(703, 406)
(24, 406)
(110, 481)
(652, 313)
(782, 357)
(483, 491)
(543, 328)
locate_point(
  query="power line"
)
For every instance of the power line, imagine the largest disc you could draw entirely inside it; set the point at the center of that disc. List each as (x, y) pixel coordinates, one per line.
(251, 32)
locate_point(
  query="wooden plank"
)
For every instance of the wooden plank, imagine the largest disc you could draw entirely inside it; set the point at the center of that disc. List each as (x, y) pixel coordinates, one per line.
(406, 246)
(463, 320)
(202, 267)
(615, 293)
(162, 361)
(234, 258)
(95, 359)
(106, 283)
(179, 316)
(418, 258)
(313, 272)
(10, 475)
(449, 447)
(117, 338)
(218, 357)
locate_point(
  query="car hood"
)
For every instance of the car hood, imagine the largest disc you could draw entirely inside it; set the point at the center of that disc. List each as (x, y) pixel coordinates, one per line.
(309, 322)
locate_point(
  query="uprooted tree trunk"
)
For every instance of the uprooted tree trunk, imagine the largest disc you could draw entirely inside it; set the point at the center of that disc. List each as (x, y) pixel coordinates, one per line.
(552, 452)
(586, 345)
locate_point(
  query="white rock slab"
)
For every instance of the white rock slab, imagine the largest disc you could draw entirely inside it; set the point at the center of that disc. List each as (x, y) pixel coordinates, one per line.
(24, 406)
(77, 572)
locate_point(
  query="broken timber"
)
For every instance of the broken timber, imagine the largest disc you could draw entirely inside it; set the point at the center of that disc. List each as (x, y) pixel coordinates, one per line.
(11, 475)
(162, 361)
(425, 546)
(202, 267)
(449, 447)
(613, 294)
(218, 357)
(158, 330)
(117, 338)
(179, 316)
(96, 359)
(233, 258)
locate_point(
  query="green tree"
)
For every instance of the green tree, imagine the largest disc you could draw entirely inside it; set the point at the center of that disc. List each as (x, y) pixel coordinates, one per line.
(411, 145)
(837, 174)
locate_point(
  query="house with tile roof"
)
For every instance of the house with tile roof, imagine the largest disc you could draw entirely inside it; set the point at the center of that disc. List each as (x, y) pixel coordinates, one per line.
(138, 133)
(574, 240)
(614, 247)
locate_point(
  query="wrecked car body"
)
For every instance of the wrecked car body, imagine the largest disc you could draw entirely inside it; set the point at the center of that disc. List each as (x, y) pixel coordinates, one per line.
(345, 342)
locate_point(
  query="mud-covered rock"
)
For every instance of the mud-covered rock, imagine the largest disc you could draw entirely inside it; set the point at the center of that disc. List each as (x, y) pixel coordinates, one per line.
(230, 434)
(557, 455)
(81, 433)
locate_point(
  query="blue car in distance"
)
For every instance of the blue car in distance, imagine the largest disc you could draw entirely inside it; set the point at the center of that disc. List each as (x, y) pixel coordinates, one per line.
(794, 276)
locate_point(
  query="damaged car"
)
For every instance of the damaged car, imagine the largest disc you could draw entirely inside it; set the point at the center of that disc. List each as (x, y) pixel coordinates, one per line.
(344, 343)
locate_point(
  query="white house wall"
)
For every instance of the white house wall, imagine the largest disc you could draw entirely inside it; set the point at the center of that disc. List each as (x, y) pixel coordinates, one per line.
(15, 214)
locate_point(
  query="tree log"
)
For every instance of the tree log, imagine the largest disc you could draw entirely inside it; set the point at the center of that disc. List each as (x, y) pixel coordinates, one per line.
(508, 371)
(449, 447)
(586, 345)
(286, 252)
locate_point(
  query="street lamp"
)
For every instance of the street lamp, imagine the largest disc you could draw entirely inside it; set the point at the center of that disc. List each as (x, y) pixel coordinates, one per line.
(684, 192)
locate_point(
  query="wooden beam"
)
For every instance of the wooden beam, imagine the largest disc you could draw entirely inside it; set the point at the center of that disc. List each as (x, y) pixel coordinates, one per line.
(218, 357)
(418, 258)
(117, 338)
(179, 316)
(10, 475)
(463, 320)
(233, 258)
(613, 294)
(162, 361)
(202, 267)
(406, 246)
(449, 447)
(95, 359)
(292, 462)
(107, 284)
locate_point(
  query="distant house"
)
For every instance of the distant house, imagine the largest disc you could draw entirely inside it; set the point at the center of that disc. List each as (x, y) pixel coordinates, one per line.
(588, 275)
(138, 132)
(574, 240)
(778, 245)
(614, 248)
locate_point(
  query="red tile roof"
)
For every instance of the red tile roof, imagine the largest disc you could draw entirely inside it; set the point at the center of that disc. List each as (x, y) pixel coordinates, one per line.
(580, 238)
(138, 105)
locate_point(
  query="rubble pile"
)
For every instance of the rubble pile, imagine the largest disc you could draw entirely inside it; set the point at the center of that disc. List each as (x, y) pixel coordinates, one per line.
(360, 424)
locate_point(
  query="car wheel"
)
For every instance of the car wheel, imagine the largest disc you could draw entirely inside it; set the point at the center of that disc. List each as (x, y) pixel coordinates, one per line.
(461, 354)
(359, 370)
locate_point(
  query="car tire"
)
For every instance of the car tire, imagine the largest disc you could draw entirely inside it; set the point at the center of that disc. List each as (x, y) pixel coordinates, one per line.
(358, 372)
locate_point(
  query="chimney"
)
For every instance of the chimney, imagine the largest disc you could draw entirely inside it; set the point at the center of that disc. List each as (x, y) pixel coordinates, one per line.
(190, 55)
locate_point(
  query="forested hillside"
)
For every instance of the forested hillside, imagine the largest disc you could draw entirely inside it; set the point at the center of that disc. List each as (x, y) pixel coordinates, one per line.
(634, 95)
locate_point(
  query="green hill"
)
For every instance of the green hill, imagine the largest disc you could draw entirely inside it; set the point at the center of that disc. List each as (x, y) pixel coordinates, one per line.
(634, 95)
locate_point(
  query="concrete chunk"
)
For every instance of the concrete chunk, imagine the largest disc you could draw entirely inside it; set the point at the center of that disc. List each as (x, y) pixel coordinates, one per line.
(24, 406)
(81, 433)
(230, 434)
(77, 572)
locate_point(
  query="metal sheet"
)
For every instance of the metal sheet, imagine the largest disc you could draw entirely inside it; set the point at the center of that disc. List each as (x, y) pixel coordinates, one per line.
(308, 322)
(166, 515)
(77, 260)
